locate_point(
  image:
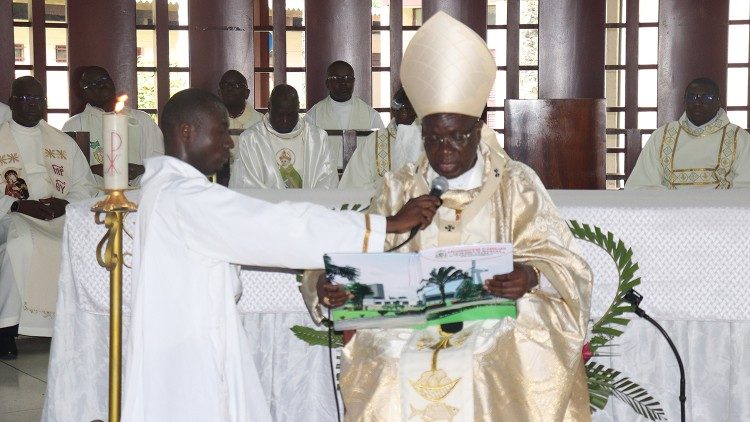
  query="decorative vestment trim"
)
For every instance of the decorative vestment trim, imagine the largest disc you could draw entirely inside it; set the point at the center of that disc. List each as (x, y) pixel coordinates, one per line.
(718, 175)
(383, 149)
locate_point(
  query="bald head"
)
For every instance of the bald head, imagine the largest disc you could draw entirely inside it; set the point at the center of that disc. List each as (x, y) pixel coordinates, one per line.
(283, 108)
(27, 101)
(196, 129)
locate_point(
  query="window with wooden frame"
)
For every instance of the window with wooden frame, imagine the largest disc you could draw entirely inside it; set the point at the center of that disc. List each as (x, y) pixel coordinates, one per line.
(41, 28)
(18, 52)
(513, 39)
(631, 63)
(393, 26)
(162, 52)
(279, 49)
(738, 95)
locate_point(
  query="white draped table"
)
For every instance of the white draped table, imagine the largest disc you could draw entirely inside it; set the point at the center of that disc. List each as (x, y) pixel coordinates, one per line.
(693, 249)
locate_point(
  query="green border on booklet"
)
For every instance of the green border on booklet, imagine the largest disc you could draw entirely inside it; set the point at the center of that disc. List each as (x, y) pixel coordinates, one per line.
(478, 312)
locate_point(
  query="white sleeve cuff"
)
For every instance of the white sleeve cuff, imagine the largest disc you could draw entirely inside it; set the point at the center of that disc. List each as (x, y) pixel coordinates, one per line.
(376, 240)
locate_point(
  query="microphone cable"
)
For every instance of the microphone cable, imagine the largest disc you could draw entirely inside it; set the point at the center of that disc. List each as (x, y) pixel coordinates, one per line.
(329, 324)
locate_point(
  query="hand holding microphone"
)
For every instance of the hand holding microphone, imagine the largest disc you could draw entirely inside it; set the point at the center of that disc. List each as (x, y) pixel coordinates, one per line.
(418, 212)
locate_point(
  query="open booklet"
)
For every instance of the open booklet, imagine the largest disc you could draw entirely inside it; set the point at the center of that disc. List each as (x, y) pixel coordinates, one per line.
(433, 286)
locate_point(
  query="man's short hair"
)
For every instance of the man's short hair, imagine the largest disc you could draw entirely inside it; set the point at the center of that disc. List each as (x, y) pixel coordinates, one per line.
(706, 82)
(337, 63)
(11, 171)
(188, 106)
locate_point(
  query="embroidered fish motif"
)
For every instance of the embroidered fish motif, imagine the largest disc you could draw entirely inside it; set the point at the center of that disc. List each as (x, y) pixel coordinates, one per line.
(434, 412)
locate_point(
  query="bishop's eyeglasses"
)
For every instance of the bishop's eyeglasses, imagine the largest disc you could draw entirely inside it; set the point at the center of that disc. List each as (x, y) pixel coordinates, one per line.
(455, 140)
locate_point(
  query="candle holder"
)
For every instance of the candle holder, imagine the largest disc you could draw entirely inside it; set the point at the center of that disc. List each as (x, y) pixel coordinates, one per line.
(109, 255)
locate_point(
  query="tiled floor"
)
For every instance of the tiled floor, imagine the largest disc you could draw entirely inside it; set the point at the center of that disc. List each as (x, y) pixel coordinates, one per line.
(23, 381)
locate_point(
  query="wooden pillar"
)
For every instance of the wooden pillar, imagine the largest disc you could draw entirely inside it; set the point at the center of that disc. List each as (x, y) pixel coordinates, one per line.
(221, 38)
(571, 48)
(102, 33)
(473, 13)
(692, 43)
(7, 56)
(397, 43)
(338, 30)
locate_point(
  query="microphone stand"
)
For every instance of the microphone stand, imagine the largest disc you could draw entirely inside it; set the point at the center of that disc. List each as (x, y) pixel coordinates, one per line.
(635, 298)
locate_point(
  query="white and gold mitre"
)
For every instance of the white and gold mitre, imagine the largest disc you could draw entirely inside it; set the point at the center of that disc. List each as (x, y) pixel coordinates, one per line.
(447, 68)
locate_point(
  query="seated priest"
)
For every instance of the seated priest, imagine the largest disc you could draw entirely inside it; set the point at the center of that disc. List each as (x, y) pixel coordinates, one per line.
(341, 110)
(375, 154)
(234, 93)
(188, 357)
(700, 150)
(42, 170)
(524, 369)
(5, 115)
(284, 151)
(144, 137)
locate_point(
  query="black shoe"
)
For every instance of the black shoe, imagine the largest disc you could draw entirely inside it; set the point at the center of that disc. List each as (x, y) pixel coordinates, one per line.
(8, 349)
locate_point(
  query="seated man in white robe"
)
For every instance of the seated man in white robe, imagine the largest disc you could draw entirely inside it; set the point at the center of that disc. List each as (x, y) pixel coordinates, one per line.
(700, 150)
(375, 154)
(144, 137)
(5, 115)
(42, 170)
(234, 93)
(188, 358)
(284, 151)
(524, 369)
(341, 110)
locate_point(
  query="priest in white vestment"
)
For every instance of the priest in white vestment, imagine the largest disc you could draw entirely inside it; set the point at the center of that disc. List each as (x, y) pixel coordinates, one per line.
(5, 115)
(234, 93)
(42, 170)
(189, 359)
(524, 369)
(700, 150)
(341, 110)
(144, 137)
(382, 151)
(284, 151)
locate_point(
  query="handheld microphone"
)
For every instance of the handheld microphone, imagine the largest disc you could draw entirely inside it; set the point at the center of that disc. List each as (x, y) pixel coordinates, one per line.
(437, 188)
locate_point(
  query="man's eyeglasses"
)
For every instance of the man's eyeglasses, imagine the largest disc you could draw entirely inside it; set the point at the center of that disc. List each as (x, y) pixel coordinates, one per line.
(703, 98)
(28, 99)
(97, 83)
(345, 78)
(235, 85)
(456, 140)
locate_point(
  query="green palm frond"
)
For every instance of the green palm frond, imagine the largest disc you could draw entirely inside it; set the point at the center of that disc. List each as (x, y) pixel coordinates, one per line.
(611, 324)
(315, 337)
(353, 207)
(605, 382)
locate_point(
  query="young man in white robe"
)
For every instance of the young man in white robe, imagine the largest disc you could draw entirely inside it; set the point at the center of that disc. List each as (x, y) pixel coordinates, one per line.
(5, 114)
(700, 150)
(382, 151)
(188, 357)
(524, 369)
(41, 169)
(284, 151)
(144, 137)
(341, 110)
(234, 93)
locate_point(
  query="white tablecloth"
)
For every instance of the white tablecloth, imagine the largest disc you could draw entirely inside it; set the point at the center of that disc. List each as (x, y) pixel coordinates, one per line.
(693, 250)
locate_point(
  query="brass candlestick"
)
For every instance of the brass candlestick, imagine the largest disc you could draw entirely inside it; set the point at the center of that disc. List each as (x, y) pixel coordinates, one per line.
(110, 256)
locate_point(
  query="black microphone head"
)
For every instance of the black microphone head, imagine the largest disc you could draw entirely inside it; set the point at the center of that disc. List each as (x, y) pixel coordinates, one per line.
(438, 186)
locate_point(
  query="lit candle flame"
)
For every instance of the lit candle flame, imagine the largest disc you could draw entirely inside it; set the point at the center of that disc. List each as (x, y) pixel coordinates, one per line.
(120, 103)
